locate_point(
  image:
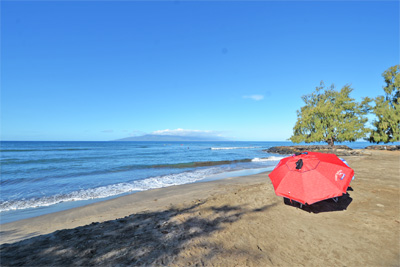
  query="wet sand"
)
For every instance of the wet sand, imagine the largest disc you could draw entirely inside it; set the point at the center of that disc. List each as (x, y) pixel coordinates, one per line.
(232, 222)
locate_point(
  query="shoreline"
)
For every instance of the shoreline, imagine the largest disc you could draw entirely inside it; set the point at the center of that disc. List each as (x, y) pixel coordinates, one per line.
(234, 221)
(50, 203)
(121, 206)
(22, 214)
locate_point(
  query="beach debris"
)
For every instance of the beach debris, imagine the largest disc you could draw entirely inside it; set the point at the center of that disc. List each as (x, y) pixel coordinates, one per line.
(384, 147)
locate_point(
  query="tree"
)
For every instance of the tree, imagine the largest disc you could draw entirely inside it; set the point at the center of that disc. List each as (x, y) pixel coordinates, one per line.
(330, 116)
(387, 109)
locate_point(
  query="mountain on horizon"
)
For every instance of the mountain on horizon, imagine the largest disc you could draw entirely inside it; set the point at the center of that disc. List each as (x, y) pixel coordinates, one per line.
(155, 137)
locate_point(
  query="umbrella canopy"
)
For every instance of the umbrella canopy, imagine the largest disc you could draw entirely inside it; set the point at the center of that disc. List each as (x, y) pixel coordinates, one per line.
(311, 177)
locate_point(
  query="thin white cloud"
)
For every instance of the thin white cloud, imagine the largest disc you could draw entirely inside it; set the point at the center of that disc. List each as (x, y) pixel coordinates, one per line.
(107, 131)
(186, 132)
(254, 97)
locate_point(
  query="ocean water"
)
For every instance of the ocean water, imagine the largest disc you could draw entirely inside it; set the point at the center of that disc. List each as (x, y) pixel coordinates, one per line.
(44, 177)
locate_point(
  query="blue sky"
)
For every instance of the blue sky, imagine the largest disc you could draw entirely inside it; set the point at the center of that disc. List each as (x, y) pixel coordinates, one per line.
(87, 70)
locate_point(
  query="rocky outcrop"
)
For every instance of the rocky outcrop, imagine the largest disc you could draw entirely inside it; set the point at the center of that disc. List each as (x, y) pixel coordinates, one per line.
(340, 150)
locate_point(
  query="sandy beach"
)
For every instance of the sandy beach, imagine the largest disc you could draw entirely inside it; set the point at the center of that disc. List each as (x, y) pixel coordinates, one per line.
(232, 222)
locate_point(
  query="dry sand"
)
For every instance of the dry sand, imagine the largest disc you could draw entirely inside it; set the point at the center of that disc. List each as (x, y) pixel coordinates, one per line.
(232, 222)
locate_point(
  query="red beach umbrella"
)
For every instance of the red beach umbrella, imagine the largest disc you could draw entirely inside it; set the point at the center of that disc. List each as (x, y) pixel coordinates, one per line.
(311, 177)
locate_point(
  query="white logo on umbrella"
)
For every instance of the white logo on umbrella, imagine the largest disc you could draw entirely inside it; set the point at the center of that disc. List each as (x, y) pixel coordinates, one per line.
(339, 174)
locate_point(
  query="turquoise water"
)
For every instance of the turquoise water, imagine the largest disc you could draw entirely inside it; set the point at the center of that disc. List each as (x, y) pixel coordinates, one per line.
(44, 177)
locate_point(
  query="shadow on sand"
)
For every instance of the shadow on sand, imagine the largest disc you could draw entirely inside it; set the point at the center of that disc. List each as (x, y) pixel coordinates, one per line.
(148, 238)
(327, 205)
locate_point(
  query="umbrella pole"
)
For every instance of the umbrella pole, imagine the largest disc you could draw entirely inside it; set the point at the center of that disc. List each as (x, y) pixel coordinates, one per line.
(301, 204)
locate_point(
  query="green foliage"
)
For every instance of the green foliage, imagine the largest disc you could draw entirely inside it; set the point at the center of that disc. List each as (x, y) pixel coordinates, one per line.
(330, 116)
(387, 109)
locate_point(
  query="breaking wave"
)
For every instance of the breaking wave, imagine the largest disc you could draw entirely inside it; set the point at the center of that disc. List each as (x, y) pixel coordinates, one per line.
(239, 147)
(267, 159)
(130, 187)
(112, 190)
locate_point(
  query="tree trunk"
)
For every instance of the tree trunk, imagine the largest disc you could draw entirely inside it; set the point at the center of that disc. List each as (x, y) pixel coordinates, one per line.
(331, 144)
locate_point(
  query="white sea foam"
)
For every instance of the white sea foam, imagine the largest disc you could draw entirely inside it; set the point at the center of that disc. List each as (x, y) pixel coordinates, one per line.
(111, 190)
(126, 187)
(272, 158)
(239, 147)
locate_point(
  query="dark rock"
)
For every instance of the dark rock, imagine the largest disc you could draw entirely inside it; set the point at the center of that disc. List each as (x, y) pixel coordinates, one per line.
(384, 147)
(340, 150)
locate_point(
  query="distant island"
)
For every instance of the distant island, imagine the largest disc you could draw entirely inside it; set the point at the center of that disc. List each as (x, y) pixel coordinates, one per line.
(158, 137)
